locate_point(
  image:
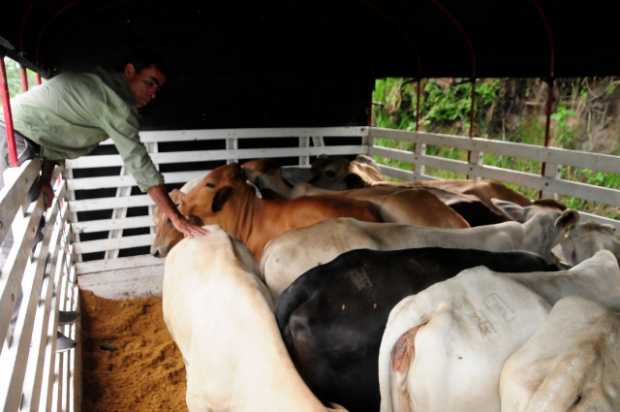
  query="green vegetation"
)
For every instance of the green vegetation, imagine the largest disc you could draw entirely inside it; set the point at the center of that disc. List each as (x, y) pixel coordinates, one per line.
(510, 110)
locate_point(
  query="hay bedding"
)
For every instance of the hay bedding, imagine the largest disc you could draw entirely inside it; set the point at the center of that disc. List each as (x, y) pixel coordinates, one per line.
(130, 362)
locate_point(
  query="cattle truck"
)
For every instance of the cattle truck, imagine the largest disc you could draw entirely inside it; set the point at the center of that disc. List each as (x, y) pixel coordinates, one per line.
(287, 80)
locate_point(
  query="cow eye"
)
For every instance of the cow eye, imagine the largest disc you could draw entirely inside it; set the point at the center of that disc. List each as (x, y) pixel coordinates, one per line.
(211, 185)
(330, 173)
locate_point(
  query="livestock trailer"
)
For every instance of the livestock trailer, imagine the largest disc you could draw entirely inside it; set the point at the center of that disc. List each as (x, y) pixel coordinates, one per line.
(285, 80)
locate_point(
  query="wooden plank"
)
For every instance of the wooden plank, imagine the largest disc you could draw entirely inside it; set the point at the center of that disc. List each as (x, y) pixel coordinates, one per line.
(391, 153)
(585, 191)
(101, 245)
(577, 158)
(210, 155)
(94, 266)
(396, 173)
(588, 217)
(107, 224)
(125, 283)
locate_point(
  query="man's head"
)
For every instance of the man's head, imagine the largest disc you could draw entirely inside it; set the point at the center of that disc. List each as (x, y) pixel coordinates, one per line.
(145, 76)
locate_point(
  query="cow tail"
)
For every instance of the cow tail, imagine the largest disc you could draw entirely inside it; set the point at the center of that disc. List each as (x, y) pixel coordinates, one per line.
(400, 321)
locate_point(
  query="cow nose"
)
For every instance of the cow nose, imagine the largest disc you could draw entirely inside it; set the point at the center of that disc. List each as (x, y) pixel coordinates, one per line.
(154, 251)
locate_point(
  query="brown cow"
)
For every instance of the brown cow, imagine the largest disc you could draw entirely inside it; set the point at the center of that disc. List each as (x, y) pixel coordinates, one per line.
(224, 198)
(338, 173)
(424, 206)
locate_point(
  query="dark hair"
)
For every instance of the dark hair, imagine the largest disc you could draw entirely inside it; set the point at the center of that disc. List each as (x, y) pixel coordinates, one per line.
(143, 58)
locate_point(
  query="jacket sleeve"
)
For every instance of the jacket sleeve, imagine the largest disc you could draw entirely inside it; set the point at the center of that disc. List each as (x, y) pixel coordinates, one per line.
(120, 122)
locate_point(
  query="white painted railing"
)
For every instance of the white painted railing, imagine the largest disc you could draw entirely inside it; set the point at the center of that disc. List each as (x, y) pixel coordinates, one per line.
(311, 142)
(231, 139)
(551, 183)
(33, 377)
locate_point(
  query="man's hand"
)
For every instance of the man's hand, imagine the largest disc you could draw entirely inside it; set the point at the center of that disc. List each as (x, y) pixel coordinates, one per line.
(187, 228)
(166, 205)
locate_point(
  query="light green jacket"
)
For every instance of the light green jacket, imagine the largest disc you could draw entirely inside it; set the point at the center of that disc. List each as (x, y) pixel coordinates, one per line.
(69, 115)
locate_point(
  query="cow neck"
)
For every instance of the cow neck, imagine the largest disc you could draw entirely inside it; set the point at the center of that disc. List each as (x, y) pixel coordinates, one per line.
(239, 212)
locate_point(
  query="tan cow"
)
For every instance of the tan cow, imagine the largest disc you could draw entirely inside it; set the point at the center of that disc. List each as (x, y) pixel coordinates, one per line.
(416, 205)
(339, 173)
(223, 197)
(284, 260)
(220, 315)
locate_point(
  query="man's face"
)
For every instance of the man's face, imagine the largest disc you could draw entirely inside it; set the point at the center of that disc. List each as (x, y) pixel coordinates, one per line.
(144, 84)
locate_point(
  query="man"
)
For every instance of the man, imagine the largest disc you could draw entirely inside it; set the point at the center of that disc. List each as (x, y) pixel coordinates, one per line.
(69, 115)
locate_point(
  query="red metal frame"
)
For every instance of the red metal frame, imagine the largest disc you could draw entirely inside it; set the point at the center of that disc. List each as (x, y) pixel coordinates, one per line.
(37, 78)
(8, 118)
(23, 77)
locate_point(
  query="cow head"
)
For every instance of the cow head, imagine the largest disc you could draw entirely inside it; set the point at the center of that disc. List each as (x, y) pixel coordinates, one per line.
(339, 173)
(166, 234)
(585, 239)
(206, 201)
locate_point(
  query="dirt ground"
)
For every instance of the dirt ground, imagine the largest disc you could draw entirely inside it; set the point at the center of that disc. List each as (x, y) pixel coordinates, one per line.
(130, 363)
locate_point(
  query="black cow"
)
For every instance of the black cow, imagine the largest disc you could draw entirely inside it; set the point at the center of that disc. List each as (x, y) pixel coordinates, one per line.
(332, 317)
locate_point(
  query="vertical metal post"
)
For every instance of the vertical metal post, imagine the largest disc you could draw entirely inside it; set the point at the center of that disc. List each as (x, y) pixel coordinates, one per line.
(473, 158)
(8, 118)
(549, 106)
(23, 77)
(37, 78)
(417, 104)
(420, 147)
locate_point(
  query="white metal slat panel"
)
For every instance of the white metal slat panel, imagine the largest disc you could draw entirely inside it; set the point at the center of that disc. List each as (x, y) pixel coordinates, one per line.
(95, 266)
(91, 226)
(13, 193)
(117, 181)
(47, 387)
(36, 357)
(91, 246)
(212, 155)
(109, 203)
(26, 318)
(10, 281)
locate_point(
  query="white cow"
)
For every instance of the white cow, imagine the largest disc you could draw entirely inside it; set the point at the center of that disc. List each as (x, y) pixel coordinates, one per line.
(220, 315)
(443, 349)
(293, 253)
(571, 363)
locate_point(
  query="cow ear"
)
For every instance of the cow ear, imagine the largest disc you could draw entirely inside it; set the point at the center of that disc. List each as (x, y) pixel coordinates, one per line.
(177, 196)
(353, 181)
(221, 196)
(567, 219)
(194, 220)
